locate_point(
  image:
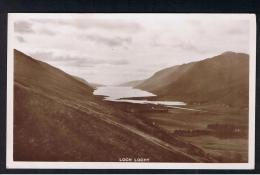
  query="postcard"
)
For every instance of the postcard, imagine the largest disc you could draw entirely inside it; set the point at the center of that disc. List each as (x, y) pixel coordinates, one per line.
(131, 91)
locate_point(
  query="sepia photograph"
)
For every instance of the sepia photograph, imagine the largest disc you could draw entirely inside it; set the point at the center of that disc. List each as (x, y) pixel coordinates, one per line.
(131, 90)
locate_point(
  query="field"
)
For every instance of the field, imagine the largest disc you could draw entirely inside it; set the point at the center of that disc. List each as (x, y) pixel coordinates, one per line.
(219, 130)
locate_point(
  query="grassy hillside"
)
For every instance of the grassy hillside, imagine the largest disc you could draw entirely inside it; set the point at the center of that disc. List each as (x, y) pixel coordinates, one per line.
(221, 79)
(56, 118)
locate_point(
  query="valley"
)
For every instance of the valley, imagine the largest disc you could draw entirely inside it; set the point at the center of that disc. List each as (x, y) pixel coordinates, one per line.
(58, 118)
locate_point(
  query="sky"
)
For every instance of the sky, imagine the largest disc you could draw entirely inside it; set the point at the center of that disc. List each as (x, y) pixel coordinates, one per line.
(111, 49)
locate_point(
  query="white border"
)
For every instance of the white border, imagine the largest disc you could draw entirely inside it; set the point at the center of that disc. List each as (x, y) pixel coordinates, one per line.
(131, 165)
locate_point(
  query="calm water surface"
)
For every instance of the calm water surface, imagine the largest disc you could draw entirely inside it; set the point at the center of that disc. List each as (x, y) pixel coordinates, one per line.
(114, 93)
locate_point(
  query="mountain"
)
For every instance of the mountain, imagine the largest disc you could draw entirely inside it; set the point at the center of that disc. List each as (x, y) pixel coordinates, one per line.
(132, 83)
(93, 85)
(220, 79)
(57, 118)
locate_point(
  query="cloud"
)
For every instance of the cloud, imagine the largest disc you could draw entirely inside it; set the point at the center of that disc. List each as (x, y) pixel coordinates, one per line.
(43, 55)
(119, 62)
(93, 23)
(236, 31)
(109, 41)
(185, 46)
(75, 60)
(46, 31)
(20, 39)
(156, 41)
(109, 45)
(23, 27)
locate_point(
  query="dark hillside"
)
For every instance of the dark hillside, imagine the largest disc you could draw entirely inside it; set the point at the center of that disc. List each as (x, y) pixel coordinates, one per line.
(223, 79)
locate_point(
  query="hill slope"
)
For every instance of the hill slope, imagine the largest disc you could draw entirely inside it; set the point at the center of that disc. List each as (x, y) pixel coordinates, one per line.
(221, 79)
(93, 85)
(56, 118)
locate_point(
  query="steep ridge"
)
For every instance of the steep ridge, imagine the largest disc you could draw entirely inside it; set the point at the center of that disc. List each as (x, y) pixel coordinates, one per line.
(220, 79)
(56, 118)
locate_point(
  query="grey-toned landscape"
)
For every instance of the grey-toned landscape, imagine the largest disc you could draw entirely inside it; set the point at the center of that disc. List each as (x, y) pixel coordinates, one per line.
(131, 87)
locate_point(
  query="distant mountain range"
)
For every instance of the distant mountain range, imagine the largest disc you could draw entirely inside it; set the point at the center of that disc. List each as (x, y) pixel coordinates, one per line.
(57, 118)
(220, 79)
(132, 83)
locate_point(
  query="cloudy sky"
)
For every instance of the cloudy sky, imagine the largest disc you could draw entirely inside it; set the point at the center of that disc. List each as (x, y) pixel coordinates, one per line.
(115, 48)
